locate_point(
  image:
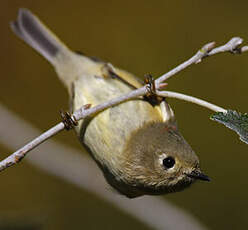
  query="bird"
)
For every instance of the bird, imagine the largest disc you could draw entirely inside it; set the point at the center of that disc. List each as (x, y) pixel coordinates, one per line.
(136, 144)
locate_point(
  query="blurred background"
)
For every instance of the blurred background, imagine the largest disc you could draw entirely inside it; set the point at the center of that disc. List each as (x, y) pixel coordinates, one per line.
(141, 37)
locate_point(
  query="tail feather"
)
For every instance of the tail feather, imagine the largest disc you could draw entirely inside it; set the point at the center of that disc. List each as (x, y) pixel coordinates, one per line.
(31, 30)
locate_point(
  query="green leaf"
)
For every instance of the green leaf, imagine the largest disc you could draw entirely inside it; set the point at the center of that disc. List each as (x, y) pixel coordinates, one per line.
(234, 120)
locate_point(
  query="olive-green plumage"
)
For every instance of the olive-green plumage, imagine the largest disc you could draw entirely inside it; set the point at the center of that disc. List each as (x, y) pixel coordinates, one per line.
(136, 144)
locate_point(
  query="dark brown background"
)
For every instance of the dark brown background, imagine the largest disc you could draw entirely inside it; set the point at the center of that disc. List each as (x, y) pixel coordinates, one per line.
(142, 37)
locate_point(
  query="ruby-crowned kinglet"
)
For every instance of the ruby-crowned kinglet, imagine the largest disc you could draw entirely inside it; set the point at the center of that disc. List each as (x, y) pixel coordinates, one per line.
(136, 144)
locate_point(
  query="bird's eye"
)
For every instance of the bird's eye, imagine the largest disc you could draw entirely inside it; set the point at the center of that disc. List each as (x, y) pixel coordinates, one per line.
(168, 162)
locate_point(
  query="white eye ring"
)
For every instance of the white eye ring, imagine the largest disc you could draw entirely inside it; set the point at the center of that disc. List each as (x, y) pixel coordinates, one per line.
(169, 164)
(162, 157)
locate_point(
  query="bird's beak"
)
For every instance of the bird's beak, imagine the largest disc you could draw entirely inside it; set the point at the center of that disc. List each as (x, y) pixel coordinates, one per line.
(196, 174)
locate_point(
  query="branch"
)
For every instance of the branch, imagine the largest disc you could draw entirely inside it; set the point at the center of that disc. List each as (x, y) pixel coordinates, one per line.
(195, 59)
(191, 99)
(207, 50)
(81, 113)
(232, 46)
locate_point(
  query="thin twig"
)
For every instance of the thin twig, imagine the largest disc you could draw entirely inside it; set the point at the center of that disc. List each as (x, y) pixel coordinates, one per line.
(232, 46)
(21, 153)
(81, 113)
(196, 58)
(207, 50)
(191, 99)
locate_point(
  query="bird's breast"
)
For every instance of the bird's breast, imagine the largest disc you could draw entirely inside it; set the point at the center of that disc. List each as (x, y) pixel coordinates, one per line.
(106, 134)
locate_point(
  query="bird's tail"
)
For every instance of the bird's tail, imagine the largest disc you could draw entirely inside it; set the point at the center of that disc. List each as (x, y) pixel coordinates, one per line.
(31, 30)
